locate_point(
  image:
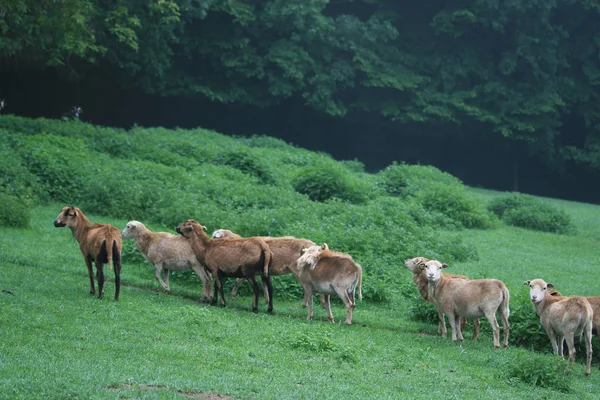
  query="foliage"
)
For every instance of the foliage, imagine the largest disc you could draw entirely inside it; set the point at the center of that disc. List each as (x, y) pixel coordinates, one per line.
(326, 180)
(541, 371)
(13, 212)
(527, 212)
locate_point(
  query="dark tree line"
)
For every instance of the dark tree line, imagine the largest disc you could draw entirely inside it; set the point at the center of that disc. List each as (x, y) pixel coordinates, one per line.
(527, 71)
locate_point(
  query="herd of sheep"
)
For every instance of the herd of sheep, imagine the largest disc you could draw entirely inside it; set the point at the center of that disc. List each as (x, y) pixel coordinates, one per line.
(321, 270)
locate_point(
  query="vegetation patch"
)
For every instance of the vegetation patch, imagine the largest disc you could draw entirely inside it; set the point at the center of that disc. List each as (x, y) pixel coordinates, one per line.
(528, 212)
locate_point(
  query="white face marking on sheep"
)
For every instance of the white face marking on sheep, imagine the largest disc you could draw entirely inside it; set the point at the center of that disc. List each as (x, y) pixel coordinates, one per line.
(538, 289)
(434, 270)
(130, 229)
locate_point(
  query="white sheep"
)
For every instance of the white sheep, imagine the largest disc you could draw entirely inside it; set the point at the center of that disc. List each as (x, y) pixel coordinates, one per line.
(420, 279)
(167, 252)
(563, 318)
(465, 298)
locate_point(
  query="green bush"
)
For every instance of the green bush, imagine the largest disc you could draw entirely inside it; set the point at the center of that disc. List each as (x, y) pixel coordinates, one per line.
(13, 212)
(325, 181)
(528, 212)
(404, 180)
(248, 164)
(457, 204)
(543, 371)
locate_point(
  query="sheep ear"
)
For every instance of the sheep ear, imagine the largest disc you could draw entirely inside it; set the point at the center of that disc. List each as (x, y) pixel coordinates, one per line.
(421, 265)
(549, 285)
(217, 235)
(444, 265)
(324, 246)
(205, 228)
(526, 283)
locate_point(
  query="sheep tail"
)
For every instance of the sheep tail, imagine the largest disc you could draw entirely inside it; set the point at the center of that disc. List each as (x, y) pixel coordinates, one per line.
(505, 299)
(268, 256)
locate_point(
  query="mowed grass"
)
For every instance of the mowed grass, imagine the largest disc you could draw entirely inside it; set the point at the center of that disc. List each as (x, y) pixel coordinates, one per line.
(59, 342)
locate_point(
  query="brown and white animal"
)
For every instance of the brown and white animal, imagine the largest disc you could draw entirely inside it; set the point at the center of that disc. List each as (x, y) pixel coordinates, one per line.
(99, 243)
(563, 318)
(595, 303)
(286, 252)
(466, 298)
(420, 279)
(321, 270)
(167, 252)
(240, 258)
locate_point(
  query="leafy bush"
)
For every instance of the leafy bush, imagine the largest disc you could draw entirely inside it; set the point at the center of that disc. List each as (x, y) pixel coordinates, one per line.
(457, 204)
(404, 180)
(248, 164)
(326, 181)
(543, 371)
(13, 212)
(528, 212)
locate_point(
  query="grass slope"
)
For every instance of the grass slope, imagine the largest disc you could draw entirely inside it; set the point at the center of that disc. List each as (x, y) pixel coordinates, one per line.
(59, 342)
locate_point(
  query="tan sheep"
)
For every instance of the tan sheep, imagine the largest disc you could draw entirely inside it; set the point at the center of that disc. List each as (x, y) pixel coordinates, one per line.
(240, 258)
(420, 279)
(466, 298)
(167, 252)
(328, 272)
(99, 243)
(563, 318)
(286, 251)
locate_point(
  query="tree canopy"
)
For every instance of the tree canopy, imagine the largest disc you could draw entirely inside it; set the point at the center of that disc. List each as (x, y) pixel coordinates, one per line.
(519, 68)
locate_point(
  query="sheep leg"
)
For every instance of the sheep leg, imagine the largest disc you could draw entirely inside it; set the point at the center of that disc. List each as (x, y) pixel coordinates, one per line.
(495, 327)
(550, 333)
(442, 324)
(88, 264)
(268, 286)
(588, 348)
(308, 295)
(571, 345)
(326, 303)
(219, 282)
(561, 345)
(206, 283)
(166, 279)
(100, 277)
(256, 290)
(159, 273)
(266, 292)
(118, 265)
(234, 291)
(453, 325)
(476, 330)
(457, 321)
(503, 312)
(345, 296)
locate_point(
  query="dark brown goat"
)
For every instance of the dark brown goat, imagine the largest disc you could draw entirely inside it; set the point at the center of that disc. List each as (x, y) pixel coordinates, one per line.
(100, 243)
(239, 258)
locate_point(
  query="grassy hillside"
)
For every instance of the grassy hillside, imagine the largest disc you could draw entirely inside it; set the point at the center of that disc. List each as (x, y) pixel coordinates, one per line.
(58, 342)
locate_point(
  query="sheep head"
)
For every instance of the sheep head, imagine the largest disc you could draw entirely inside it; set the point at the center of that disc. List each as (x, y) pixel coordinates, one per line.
(224, 233)
(538, 289)
(414, 264)
(433, 269)
(67, 217)
(189, 227)
(132, 229)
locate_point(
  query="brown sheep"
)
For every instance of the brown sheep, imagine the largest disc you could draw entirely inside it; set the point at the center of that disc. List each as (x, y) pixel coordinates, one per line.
(329, 272)
(468, 299)
(563, 318)
(100, 243)
(167, 252)
(286, 251)
(241, 258)
(420, 279)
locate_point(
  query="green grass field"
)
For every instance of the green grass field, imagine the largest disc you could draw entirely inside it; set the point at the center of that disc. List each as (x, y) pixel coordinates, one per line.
(58, 342)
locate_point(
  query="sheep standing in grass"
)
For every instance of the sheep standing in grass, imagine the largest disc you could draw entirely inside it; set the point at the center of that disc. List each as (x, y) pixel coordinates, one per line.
(321, 270)
(563, 318)
(420, 279)
(167, 252)
(286, 251)
(99, 243)
(466, 298)
(240, 258)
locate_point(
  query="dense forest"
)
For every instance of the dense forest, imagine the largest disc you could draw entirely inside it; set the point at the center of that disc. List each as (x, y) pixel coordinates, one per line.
(503, 94)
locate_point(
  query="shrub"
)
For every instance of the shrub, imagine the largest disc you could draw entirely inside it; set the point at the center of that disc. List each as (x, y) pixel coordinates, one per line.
(404, 179)
(248, 164)
(325, 181)
(528, 212)
(543, 371)
(13, 212)
(457, 204)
